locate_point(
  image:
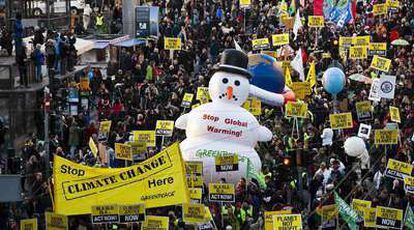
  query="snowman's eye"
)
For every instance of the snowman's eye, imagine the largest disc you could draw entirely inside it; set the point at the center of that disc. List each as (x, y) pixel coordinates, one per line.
(237, 83)
(225, 80)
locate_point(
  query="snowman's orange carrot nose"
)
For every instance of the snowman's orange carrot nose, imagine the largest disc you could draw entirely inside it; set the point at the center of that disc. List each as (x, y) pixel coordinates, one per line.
(229, 92)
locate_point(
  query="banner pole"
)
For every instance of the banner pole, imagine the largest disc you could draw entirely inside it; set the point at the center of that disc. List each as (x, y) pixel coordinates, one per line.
(162, 142)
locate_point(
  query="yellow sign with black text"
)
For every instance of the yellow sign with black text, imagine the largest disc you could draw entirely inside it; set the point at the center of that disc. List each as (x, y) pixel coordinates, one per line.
(316, 21)
(164, 128)
(227, 163)
(395, 114)
(195, 181)
(123, 151)
(370, 216)
(221, 192)
(358, 52)
(187, 100)
(301, 89)
(380, 63)
(103, 214)
(380, 9)
(132, 213)
(196, 194)
(172, 43)
(146, 136)
(361, 40)
(386, 136)
(287, 221)
(156, 223)
(269, 217)
(203, 95)
(137, 148)
(393, 3)
(389, 217)
(28, 224)
(260, 44)
(341, 120)
(409, 184)
(280, 39)
(105, 127)
(194, 167)
(328, 212)
(345, 42)
(56, 221)
(364, 110)
(377, 48)
(158, 181)
(253, 105)
(398, 169)
(93, 147)
(245, 3)
(360, 206)
(296, 109)
(194, 213)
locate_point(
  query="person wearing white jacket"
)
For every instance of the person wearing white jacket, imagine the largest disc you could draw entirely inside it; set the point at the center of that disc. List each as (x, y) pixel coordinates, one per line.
(327, 135)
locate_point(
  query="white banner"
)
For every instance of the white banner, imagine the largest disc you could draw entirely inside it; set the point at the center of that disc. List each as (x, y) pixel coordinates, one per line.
(374, 91)
(387, 86)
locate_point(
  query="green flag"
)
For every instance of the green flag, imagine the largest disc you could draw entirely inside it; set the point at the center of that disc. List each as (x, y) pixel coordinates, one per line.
(409, 217)
(292, 7)
(347, 213)
(252, 173)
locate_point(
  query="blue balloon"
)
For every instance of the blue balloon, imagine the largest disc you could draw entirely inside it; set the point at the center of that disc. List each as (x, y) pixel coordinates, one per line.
(267, 74)
(333, 80)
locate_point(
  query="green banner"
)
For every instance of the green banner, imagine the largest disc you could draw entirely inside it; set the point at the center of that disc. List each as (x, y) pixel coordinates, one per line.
(347, 213)
(409, 217)
(252, 173)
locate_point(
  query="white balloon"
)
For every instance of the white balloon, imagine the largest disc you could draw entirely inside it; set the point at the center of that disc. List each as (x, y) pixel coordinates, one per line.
(354, 146)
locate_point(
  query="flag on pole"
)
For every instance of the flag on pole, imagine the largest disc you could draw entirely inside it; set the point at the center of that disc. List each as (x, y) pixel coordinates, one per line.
(297, 65)
(297, 25)
(237, 46)
(292, 7)
(288, 78)
(252, 173)
(409, 217)
(311, 78)
(347, 213)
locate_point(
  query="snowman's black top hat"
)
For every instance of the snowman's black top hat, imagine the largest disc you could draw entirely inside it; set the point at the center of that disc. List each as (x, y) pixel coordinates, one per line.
(234, 61)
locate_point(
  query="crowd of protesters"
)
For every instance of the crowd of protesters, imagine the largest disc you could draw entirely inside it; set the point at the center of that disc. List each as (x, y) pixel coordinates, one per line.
(146, 85)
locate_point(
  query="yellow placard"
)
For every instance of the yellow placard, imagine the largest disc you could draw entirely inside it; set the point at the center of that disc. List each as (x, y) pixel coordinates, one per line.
(280, 39)
(132, 213)
(292, 221)
(244, 3)
(389, 217)
(398, 169)
(105, 127)
(187, 100)
(260, 44)
(380, 9)
(194, 167)
(358, 52)
(301, 89)
(370, 215)
(164, 128)
(287, 21)
(194, 213)
(147, 136)
(341, 120)
(203, 95)
(409, 184)
(328, 212)
(196, 194)
(364, 110)
(28, 224)
(361, 40)
(253, 105)
(360, 206)
(156, 223)
(393, 3)
(93, 147)
(227, 163)
(316, 21)
(221, 192)
(123, 151)
(101, 214)
(158, 181)
(380, 63)
(345, 41)
(84, 83)
(195, 181)
(395, 114)
(326, 55)
(56, 221)
(386, 137)
(296, 109)
(377, 48)
(268, 216)
(137, 148)
(172, 43)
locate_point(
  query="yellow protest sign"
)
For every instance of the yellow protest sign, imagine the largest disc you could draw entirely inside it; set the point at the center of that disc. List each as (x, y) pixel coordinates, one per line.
(268, 216)
(196, 194)
(158, 181)
(389, 217)
(280, 39)
(194, 213)
(345, 41)
(341, 120)
(147, 136)
(316, 21)
(377, 48)
(221, 192)
(380, 63)
(393, 3)
(172, 43)
(296, 109)
(360, 206)
(194, 167)
(386, 137)
(227, 163)
(253, 105)
(395, 114)
(245, 3)
(138, 148)
(398, 169)
(380, 9)
(187, 99)
(102, 214)
(105, 127)
(287, 221)
(195, 181)
(84, 83)
(409, 184)
(164, 128)
(28, 224)
(132, 213)
(260, 44)
(364, 110)
(370, 215)
(358, 52)
(203, 95)
(301, 89)
(326, 55)
(93, 147)
(56, 221)
(328, 212)
(361, 40)
(287, 21)
(123, 151)
(156, 223)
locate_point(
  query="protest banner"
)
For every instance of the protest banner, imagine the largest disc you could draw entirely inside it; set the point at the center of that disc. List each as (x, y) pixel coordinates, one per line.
(301, 89)
(221, 192)
(172, 43)
(203, 95)
(145, 136)
(194, 213)
(123, 151)
(370, 216)
(380, 63)
(196, 195)
(195, 181)
(93, 147)
(245, 3)
(389, 217)
(280, 39)
(364, 110)
(28, 224)
(260, 44)
(377, 48)
(268, 215)
(187, 100)
(329, 214)
(227, 163)
(253, 105)
(316, 21)
(296, 109)
(386, 137)
(345, 42)
(358, 52)
(364, 130)
(131, 213)
(104, 214)
(360, 206)
(397, 169)
(341, 120)
(158, 181)
(156, 223)
(56, 221)
(287, 221)
(164, 128)
(409, 184)
(395, 114)
(194, 167)
(380, 9)
(387, 86)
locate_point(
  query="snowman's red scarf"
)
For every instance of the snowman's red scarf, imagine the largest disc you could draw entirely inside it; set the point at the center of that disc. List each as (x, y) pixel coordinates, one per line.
(214, 129)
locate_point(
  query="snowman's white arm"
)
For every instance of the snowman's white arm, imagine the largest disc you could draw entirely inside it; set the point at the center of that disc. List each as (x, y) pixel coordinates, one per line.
(267, 97)
(181, 122)
(264, 134)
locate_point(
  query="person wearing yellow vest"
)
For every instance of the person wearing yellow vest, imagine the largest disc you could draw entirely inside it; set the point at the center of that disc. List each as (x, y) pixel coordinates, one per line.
(99, 23)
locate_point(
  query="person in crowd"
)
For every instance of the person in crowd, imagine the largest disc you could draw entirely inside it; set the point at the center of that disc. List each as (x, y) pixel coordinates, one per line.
(38, 59)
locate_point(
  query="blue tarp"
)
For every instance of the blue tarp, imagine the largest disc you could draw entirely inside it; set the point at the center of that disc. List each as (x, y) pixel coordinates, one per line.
(131, 42)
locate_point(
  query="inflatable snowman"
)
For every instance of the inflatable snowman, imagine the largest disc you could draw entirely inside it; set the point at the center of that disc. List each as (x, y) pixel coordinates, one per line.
(224, 127)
